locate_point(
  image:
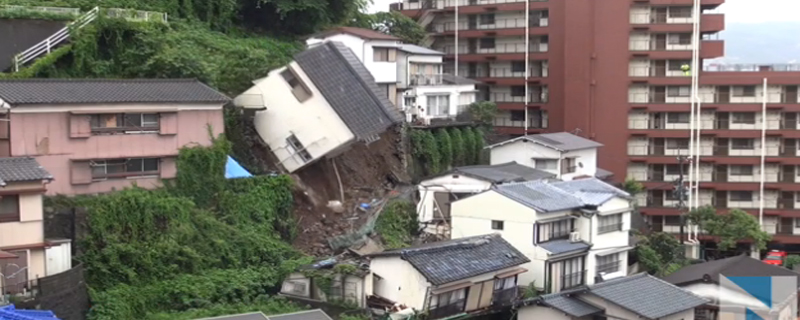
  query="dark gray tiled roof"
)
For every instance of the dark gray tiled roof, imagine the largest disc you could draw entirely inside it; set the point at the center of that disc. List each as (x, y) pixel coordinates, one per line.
(315, 314)
(591, 191)
(646, 296)
(415, 49)
(540, 196)
(564, 246)
(502, 173)
(738, 266)
(349, 88)
(80, 91)
(569, 305)
(447, 261)
(243, 316)
(20, 169)
(562, 141)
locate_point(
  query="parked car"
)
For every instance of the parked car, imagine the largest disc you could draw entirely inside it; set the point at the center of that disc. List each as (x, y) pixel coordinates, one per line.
(775, 257)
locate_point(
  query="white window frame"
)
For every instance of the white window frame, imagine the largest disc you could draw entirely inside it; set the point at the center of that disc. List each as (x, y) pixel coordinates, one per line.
(436, 104)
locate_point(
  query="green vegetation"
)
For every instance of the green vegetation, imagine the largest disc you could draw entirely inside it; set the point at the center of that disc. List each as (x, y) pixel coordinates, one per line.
(632, 186)
(791, 261)
(441, 149)
(660, 254)
(731, 228)
(23, 13)
(393, 23)
(397, 225)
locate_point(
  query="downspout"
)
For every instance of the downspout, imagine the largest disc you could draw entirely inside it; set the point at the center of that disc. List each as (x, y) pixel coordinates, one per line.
(527, 60)
(763, 153)
(456, 33)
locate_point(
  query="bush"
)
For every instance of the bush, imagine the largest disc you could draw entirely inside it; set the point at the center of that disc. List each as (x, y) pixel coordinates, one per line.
(459, 152)
(445, 148)
(397, 224)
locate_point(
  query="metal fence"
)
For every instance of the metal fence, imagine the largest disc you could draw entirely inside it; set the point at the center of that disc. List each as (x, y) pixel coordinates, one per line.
(135, 15)
(56, 10)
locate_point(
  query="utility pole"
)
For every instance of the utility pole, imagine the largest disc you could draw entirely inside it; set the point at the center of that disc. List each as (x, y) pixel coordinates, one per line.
(680, 193)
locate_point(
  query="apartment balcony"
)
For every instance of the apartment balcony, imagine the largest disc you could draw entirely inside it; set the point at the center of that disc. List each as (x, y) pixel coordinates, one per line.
(504, 27)
(712, 49)
(573, 280)
(665, 152)
(513, 122)
(659, 75)
(658, 48)
(476, 52)
(720, 126)
(507, 75)
(513, 101)
(677, 98)
(748, 74)
(706, 4)
(446, 311)
(504, 297)
(420, 80)
(482, 6)
(675, 22)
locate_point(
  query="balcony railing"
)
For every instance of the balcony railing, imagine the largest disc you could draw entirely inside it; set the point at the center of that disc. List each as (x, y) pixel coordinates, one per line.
(497, 49)
(657, 71)
(532, 123)
(496, 24)
(684, 97)
(711, 124)
(534, 97)
(661, 18)
(658, 45)
(707, 151)
(533, 72)
(751, 67)
(446, 311)
(461, 3)
(426, 79)
(609, 228)
(572, 280)
(504, 297)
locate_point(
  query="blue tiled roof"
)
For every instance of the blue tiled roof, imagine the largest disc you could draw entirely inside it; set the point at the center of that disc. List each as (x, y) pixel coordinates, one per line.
(10, 313)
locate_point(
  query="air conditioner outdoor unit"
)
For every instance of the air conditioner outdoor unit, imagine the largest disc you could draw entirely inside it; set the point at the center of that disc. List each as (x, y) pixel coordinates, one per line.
(574, 237)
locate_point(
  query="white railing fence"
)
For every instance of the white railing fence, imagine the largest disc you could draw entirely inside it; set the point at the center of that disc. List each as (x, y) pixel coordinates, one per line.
(135, 15)
(54, 40)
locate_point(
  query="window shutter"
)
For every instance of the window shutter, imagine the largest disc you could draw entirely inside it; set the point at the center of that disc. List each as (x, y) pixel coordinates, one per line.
(169, 123)
(80, 172)
(79, 126)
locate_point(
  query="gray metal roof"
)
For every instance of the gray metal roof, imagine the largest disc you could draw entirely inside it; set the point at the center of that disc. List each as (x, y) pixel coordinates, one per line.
(540, 195)
(349, 88)
(503, 173)
(315, 314)
(561, 141)
(447, 261)
(569, 305)
(603, 173)
(591, 191)
(564, 246)
(646, 295)
(21, 169)
(415, 49)
(92, 91)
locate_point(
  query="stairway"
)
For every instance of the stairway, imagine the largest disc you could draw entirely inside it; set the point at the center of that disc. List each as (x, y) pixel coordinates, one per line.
(47, 45)
(425, 18)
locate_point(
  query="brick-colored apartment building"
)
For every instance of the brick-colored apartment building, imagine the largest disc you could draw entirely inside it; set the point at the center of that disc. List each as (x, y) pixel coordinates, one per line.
(611, 71)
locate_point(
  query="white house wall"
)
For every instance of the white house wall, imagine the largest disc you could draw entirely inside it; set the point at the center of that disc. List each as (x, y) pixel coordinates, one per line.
(586, 160)
(399, 281)
(286, 115)
(382, 71)
(473, 216)
(541, 312)
(449, 184)
(606, 242)
(459, 95)
(526, 153)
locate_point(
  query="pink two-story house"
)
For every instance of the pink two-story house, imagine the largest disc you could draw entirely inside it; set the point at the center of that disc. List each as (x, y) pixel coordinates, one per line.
(97, 135)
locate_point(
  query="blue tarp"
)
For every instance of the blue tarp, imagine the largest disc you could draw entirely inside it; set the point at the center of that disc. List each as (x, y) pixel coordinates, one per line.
(234, 170)
(10, 313)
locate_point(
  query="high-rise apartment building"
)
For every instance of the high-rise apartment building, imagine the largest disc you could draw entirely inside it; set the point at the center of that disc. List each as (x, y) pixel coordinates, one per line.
(612, 71)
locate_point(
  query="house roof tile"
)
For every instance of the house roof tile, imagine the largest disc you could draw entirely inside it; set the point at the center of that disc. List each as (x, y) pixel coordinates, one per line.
(21, 169)
(502, 173)
(453, 260)
(415, 49)
(561, 141)
(349, 88)
(89, 91)
(646, 295)
(737, 266)
(571, 306)
(358, 32)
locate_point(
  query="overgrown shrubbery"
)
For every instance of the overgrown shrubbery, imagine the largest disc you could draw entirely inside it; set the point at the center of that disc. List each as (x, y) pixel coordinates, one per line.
(201, 242)
(438, 150)
(397, 224)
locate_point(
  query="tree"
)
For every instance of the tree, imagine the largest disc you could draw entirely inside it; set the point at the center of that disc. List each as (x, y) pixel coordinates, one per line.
(791, 261)
(483, 111)
(392, 23)
(660, 254)
(731, 228)
(445, 148)
(459, 153)
(632, 186)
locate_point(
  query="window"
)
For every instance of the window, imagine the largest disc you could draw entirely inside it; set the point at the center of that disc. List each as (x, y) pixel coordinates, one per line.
(383, 54)
(517, 91)
(544, 39)
(9, 208)
(679, 91)
(678, 143)
(744, 91)
(487, 18)
(296, 148)
(744, 196)
(449, 298)
(672, 220)
(680, 12)
(497, 225)
(675, 65)
(124, 168)
(568, 165)
(608, 263)
(610, 223)
(298, 288)
(572, 273)
(546, 164)
(742, 144)
(544, 232)
(487, 43)
(299, 89)
(674, 169)
(680, 39)
(743, 117)
(517, 115)
(797, 222)
(505, 283)
(518, 66)
(677, 117)
(124, 123)
(439, 105)
(740, 170)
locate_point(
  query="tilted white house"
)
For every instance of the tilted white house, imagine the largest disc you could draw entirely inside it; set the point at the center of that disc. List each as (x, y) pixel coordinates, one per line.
(572, 231)
(409, 75)
(639, 296)
(452, 277)
(564, 154)
(436, 193)
(318, 105)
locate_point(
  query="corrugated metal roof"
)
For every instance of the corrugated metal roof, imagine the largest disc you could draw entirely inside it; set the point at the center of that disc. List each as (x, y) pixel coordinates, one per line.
(415, 49)
(564, 246)
(80, 91)
(502, 173)
(21, 169)
(349, 88)
(546, 196)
